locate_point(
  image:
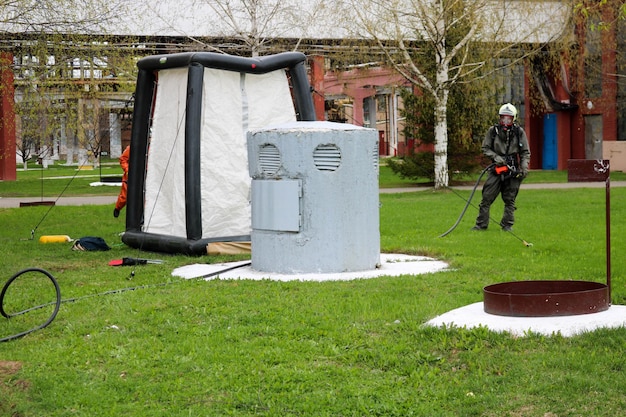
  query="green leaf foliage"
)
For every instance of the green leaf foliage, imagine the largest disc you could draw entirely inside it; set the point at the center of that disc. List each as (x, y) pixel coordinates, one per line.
(470, 112)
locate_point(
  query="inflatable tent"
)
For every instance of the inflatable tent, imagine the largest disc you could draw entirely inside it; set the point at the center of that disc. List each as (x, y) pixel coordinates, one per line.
(188, 182)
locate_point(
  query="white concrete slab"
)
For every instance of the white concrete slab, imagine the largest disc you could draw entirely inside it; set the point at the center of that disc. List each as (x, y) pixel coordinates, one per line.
(391, 265)
(105, 184)
(470, 316)
(473, 315)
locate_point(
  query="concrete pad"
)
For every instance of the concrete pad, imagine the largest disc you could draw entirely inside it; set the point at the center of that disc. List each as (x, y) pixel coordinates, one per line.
(105, 184)
(390, 265)
(473, 315)
(470, 316)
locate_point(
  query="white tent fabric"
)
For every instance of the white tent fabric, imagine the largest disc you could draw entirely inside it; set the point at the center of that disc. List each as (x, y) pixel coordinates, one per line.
(165, 183)
(233, 103)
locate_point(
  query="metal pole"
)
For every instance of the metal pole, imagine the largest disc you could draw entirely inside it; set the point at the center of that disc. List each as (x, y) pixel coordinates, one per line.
(608, 236)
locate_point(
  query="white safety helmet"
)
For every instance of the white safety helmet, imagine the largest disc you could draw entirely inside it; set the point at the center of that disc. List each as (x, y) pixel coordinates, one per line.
(508, 114)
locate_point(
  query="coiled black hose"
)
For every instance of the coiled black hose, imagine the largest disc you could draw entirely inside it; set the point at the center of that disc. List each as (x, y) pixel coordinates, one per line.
(57, 303)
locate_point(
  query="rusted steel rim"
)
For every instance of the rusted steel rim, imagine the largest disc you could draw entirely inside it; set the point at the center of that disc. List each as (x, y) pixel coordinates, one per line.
(545, 298)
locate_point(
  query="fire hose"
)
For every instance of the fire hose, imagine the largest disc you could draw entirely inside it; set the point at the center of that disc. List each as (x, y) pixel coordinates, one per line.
(59, 301)
(502, 171)
(469, 201)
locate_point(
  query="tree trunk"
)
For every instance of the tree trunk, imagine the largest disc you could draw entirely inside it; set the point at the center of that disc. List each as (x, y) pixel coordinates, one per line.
(442, 91)
(441, 145)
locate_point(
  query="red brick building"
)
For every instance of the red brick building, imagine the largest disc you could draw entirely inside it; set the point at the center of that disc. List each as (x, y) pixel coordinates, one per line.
(578, 112)
(582, 111)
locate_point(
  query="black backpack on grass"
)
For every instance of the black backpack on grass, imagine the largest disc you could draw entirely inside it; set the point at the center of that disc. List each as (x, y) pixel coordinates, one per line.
(90, 243)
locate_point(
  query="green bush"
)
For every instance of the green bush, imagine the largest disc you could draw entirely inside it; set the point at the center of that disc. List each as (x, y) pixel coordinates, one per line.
(415, 166)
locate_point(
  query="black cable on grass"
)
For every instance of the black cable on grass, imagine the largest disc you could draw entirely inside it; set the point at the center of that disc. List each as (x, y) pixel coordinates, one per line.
(468, 202)
(527, 244)
(59, 301)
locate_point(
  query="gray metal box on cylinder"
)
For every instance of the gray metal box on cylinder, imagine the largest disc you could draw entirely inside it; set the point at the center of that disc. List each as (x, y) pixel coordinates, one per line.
(315, 202)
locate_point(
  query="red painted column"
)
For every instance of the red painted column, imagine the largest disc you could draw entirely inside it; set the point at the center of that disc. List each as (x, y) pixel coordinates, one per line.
(317, 82)
(563, 122)
(533, 123)
(7, 119)
(609, 82)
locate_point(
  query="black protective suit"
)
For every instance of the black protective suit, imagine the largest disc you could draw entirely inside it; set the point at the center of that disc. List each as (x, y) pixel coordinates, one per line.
(503, 147)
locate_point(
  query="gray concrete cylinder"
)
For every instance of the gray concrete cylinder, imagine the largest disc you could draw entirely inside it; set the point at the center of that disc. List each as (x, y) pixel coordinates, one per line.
(315, 203)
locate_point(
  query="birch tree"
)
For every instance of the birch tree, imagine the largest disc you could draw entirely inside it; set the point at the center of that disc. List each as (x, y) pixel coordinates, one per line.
(408, 30)
(247, 27)
(253, 21)
(58, 16)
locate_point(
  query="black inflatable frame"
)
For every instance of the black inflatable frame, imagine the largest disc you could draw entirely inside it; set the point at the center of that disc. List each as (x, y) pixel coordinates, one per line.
(193, 244)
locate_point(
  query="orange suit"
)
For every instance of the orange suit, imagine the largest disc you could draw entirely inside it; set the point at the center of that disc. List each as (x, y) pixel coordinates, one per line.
(121, 198)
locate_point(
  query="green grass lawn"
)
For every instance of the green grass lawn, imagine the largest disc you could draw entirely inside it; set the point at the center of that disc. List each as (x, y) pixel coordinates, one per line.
(390, 180)
(61, 180)
(171, 347)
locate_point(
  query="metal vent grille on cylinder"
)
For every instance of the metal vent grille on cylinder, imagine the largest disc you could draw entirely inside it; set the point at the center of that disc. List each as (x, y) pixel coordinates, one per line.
(327, 157)
(375, 157)
(269, 159)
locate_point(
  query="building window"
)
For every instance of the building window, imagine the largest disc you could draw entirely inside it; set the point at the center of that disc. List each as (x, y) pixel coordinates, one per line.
(510, 86)
(593, 59)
